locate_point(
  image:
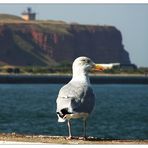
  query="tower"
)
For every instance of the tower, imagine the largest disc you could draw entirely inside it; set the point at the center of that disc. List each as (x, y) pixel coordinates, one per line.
(28, 15)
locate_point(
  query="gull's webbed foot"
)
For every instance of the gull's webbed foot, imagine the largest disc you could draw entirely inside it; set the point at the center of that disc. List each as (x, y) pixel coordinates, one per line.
(69, 138)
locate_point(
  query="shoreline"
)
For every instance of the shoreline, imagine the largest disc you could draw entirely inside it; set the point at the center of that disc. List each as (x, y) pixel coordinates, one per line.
(13, 138)
(62, 79)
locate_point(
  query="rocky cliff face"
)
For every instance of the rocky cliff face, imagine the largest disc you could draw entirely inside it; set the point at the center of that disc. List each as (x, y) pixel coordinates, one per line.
(46, 43)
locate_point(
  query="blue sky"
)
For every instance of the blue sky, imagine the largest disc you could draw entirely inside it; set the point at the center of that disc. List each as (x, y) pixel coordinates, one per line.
(130, 19)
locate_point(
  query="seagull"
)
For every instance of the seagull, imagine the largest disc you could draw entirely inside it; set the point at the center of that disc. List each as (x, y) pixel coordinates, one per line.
(76, 99)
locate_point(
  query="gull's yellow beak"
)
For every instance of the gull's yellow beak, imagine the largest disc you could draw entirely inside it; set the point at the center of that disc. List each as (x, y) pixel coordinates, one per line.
(101, 67)
(98, 67)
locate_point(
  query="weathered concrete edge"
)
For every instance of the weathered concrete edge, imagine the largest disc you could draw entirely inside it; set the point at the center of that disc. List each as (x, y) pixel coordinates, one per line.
(43, 139)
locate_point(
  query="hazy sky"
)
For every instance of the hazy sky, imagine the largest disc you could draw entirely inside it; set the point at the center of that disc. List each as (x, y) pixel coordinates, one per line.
(130, 19)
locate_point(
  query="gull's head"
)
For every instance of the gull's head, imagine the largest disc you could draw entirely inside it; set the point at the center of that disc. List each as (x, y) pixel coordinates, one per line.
(82, 64)
(85, 65)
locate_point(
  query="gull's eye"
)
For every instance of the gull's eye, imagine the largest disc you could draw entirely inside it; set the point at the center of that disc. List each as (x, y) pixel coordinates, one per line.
(88, 61)
(84, 60)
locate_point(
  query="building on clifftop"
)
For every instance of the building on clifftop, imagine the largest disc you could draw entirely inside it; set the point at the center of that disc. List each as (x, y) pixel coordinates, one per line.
(29, 15)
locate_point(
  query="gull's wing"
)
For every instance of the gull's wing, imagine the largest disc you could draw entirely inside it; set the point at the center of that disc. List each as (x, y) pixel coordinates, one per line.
(75, 98)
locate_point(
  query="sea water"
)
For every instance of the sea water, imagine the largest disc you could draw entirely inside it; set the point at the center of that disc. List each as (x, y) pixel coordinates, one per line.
(121, 111)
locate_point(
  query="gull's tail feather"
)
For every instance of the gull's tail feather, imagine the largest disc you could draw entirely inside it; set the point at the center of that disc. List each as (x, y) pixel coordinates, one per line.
(61, 119)
(63, 112)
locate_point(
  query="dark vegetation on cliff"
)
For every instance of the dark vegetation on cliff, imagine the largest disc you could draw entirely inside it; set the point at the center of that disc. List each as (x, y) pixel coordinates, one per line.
(46, 43)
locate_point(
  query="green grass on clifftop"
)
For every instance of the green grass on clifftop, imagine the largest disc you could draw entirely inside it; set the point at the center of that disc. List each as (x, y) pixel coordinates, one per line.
(9, 17)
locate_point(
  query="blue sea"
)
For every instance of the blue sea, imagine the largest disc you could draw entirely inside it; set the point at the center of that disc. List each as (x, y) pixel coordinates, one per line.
(121, 111)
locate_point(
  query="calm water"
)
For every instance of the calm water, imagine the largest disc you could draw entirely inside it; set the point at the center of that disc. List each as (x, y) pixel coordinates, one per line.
(121, 111)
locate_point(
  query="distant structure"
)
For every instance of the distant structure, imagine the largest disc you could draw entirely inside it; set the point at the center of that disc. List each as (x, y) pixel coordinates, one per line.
(128, 67)
(28, 15)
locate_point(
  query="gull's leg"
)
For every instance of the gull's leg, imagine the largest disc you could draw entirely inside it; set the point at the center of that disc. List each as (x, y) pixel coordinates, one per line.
(69, 129)
(84, 126)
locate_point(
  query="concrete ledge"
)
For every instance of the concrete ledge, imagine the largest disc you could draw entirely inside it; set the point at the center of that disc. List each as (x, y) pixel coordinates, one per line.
(41, 139)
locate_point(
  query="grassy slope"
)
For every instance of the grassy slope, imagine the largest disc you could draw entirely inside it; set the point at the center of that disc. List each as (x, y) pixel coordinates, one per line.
(9, 17)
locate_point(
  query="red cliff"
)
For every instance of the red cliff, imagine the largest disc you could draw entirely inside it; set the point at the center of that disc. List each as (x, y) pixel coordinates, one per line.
(47, 43)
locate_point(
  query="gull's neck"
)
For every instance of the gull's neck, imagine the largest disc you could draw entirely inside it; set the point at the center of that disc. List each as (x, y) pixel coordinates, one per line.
(80, 76)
